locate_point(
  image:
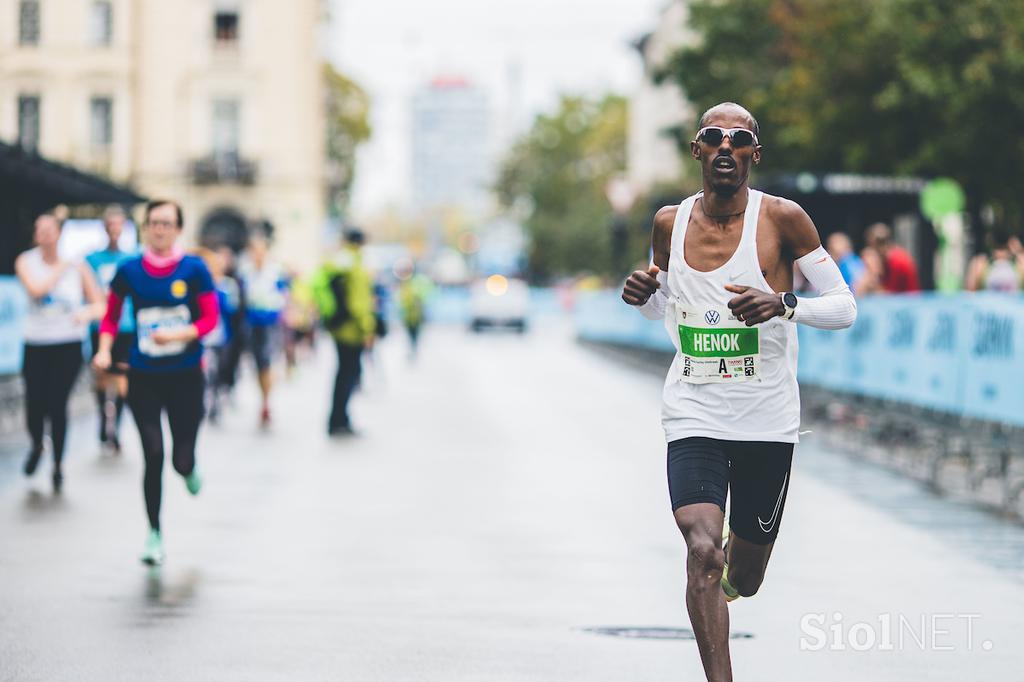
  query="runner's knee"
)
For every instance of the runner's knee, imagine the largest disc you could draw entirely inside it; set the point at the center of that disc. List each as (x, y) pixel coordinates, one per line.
(704, 556)
(183, 458)
(182, 466)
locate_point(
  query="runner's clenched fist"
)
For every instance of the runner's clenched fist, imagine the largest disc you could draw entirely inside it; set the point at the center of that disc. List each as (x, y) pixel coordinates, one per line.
(641, 285)
(754, 306)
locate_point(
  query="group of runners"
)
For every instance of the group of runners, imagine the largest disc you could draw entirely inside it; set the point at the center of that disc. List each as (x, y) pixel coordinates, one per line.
(167, 331)
(145, 340)
(720, 278)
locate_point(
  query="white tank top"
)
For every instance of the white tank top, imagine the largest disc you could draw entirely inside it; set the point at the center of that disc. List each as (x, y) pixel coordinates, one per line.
(764, 406)
(51, 317)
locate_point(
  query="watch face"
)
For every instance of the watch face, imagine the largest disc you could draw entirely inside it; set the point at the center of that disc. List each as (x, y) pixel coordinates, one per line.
(789, 299)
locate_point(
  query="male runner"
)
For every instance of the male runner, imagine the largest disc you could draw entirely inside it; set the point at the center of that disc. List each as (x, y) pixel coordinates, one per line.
(721, 279)
(266, 289)
(112, 383)
(343, 291)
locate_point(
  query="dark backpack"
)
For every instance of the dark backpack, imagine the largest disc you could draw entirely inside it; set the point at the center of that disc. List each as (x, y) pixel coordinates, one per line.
(339, 290)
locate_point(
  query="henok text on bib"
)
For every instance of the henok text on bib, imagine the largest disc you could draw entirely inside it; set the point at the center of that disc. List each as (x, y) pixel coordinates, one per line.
(716, 347)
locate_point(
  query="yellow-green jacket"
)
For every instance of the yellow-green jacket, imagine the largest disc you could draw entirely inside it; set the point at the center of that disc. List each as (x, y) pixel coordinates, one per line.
(412, 299)
(358, 285)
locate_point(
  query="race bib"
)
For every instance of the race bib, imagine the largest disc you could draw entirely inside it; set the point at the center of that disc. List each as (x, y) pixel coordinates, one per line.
(151, 319)
(51, 307)
(716, 347)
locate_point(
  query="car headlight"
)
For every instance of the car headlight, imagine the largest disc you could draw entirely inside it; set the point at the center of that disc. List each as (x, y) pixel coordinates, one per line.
(496, 285)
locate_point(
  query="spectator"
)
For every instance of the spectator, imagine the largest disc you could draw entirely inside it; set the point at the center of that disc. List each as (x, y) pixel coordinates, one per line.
(850, 265)
(890, 267)
(1003, 271)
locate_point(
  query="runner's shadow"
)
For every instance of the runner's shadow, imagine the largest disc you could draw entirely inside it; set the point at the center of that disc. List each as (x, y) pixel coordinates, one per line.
(37, 503)
(170, 592)
(108, 461)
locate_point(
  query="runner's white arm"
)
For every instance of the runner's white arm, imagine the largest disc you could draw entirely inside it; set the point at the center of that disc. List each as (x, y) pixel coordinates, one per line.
(654, 308)
(835, 308)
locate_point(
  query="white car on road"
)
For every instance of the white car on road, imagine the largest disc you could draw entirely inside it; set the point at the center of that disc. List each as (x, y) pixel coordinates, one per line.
(499, 301)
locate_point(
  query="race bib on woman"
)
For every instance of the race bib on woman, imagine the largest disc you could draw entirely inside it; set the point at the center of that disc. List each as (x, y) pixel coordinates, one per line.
(716, 347)
(151, 319)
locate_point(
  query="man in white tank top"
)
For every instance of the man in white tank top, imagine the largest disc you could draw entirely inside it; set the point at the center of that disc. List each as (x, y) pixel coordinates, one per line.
(721, 280)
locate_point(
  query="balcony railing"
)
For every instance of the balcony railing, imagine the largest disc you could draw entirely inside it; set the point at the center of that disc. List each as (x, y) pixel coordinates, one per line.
(224, 169)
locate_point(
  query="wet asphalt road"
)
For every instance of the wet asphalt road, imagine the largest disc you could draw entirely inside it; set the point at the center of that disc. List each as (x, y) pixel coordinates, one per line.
(505, 495)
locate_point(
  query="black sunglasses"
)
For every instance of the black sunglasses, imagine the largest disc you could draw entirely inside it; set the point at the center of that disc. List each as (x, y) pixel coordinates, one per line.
(713, 135)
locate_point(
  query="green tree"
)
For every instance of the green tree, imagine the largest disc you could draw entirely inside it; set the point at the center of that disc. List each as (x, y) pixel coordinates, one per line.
(559, 171)
(348, 126)
(874, 86)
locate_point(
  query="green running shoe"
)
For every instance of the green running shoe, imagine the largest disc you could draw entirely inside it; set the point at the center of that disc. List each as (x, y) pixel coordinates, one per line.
(730, 592)
(153, 555)
(194, 482)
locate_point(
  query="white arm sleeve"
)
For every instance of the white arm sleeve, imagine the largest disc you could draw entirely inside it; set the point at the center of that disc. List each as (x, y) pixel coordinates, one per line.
(835, 308)
(654, 308)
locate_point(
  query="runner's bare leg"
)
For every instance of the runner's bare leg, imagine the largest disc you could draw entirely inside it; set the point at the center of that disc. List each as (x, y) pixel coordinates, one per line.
(701, 525)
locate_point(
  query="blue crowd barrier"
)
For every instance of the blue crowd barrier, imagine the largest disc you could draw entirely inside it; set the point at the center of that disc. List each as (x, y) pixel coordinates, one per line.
(13, 304)
(960, 353)
(603, 317)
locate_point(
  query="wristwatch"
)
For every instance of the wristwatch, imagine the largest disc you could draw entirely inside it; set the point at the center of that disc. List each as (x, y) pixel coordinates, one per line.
(789, 301)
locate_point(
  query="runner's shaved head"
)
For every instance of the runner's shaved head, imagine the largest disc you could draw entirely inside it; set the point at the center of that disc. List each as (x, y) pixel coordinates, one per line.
(728, 107)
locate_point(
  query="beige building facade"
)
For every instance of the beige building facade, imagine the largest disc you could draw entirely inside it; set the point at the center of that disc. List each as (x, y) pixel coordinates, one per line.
(653, 156)
(216, 103)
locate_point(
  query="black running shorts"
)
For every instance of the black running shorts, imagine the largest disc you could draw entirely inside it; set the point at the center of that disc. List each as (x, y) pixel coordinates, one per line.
(263, 344)
(705, 469)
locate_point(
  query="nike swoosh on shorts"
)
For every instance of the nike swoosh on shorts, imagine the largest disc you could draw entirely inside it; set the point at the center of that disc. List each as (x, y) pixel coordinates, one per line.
(767, 526)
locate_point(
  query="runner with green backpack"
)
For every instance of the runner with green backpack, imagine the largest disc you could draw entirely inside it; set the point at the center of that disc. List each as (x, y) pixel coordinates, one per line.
(343, 293)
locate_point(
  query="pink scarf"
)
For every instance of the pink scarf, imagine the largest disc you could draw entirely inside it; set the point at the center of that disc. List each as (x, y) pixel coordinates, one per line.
(162, 265)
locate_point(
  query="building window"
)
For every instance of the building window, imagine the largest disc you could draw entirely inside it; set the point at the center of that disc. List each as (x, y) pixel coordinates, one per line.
(28, 22)
(102, 23)
(225, 27)
(28, 122)
(226, 127)
(101, 122)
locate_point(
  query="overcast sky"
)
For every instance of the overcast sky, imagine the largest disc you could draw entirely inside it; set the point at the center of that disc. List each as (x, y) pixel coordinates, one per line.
(523, 52)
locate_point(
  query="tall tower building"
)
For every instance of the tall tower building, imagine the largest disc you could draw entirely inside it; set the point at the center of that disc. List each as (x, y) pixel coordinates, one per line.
(452, 147)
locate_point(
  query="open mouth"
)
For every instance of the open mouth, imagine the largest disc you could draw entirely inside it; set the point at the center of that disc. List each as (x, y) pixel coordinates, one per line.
(724, 163)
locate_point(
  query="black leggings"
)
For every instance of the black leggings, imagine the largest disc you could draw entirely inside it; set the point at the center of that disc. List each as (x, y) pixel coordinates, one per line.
(180, 394)
(50, 372)
(346, 380)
